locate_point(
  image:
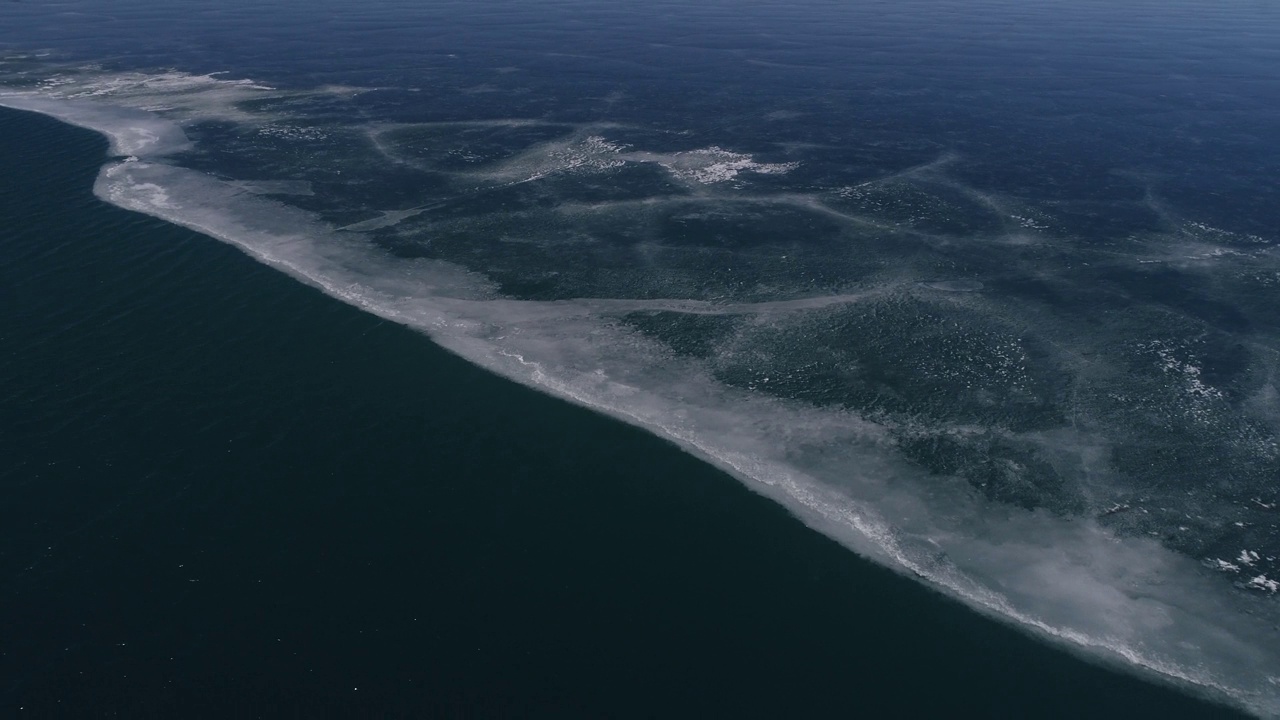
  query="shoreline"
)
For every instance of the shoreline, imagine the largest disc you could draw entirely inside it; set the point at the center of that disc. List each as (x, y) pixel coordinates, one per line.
(826, 526)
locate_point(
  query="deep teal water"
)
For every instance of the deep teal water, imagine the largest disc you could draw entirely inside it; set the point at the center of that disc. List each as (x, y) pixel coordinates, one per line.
(228, 495)
(982, 290)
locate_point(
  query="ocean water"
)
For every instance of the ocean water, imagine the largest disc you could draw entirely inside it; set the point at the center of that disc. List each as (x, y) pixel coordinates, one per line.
(983, 293)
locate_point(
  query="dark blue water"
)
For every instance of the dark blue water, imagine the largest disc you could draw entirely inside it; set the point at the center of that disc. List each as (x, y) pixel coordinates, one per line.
(228, 495)
(984, 293)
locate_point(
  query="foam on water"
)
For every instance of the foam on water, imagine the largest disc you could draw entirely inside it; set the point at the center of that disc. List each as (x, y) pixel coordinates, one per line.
(587, 150)
(712, 164)
(1092, 575)
(131, 133)
(123, 106)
